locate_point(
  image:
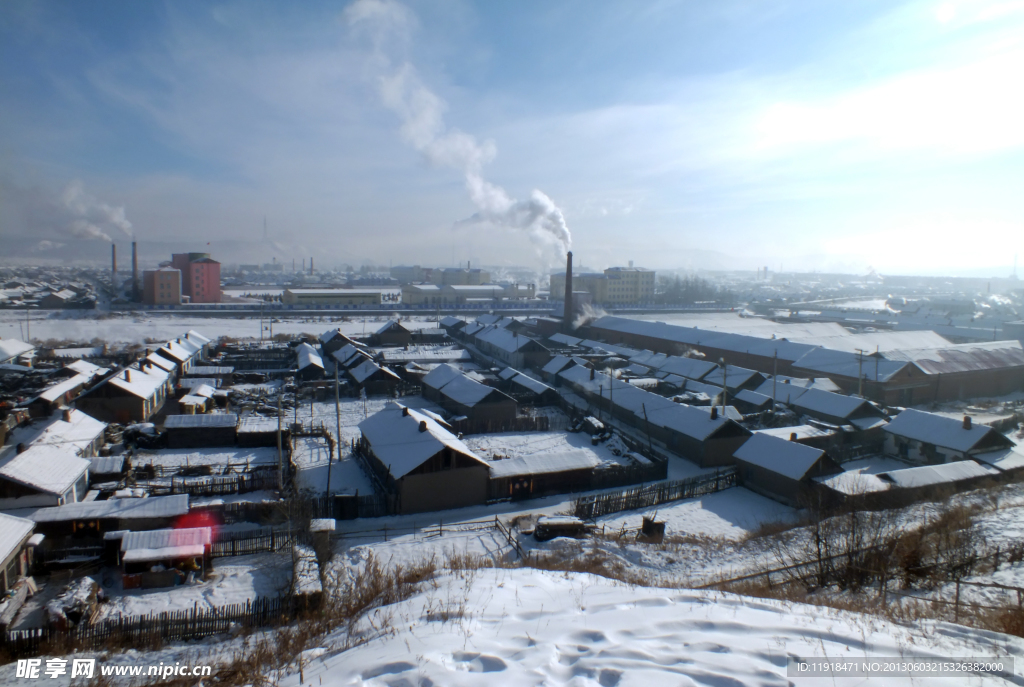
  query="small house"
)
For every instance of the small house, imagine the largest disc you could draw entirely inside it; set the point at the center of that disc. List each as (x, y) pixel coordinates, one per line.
(393, 333)
(201, 431)
(42, 476)
(375, 379)
(310, 364)
(421, 462)
(928, 438)
(782, 470)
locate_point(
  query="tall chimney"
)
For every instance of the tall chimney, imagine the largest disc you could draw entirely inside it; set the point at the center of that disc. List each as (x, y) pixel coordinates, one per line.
(113, 264)
(567, 313)
(135, 272)
(311, 264)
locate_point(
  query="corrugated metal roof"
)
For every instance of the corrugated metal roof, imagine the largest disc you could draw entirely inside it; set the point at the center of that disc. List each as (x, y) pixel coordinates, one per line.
(206, 421)
(989, 355)
(156, 545)
(124, 509)
(787, 458)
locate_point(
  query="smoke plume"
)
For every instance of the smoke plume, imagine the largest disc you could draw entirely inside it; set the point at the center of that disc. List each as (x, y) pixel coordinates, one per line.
(421, 112)
(588, 313)
(89, 218)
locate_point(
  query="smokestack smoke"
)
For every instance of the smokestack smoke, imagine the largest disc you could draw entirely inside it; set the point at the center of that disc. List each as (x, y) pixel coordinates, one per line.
(88, 218)
(421, 112)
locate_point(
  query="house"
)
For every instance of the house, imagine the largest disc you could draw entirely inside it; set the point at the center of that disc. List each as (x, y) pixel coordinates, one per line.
(376, 380)
(182, 352)
(752, 402)
(838, 409)
(131, 395)
(12, 350)
(42, 476)
(809, 435)
(57, 299)
(15, 555)
(393, 333)
(70, 430)
(932, 439)
(433, 381)
(782, 470)
(528, 390)
(734, 378)
(164, 558)
(310, 364)
(421, 462)
(483, 407)
(510, 347)
(557, 364)
(256, 430)
(333, 340)
(198, 400)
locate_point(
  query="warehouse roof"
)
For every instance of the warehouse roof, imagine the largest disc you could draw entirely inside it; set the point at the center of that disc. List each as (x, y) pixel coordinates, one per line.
(989, 355)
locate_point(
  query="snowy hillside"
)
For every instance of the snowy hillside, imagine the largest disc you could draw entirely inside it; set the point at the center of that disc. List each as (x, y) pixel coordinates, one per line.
(527, 627)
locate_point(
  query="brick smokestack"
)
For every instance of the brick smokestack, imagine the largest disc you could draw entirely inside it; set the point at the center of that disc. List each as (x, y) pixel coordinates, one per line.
(135, 272)
(113, 265)
(567, 313)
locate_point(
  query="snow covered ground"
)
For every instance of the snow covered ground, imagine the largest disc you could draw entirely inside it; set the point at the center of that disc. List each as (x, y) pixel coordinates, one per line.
(516, 444)
(527, 627)
(239, 459)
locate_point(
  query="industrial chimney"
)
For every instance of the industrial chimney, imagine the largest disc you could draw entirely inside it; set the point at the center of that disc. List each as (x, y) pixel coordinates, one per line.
(135, 272)
(567, 312)
(311, 264)
(113, 265)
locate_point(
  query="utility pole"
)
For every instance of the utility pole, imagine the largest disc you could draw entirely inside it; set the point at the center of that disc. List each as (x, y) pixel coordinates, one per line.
(337, 425)
(280, 453)
(261, 320)
(860, 376)
(28, 325)
(725, 392)
(775, 376)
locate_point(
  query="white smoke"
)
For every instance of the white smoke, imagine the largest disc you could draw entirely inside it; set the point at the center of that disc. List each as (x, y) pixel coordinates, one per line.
(422, 114)
(588, 313)
(89, 218)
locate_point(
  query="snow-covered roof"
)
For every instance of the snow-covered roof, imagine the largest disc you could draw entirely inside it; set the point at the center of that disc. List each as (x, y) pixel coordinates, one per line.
(193, 335)
(440, 375)
(752, 397)
(531, 384)
(557, 364)
(190, 400)
(258, 424)
(138, 383)
(160, 361)
(124, 509)
(13, 533)
(367, 369)
(546, 462)
(395, 437)
(468, 392)
(75, 434)
(651, 359)
(691, 368)
(450, 321)
(730, 412)
(307, 356)
(943, 431)
(829, 362)
(12, 348)
(54, 392)
(392, 324)
(510, 342)
(969, 357)
(832, 405)
(85, 367)
(734, 376)
(49, 469)
(105, 465)
(801, 431)
(508, 373)
(787, 458)
(157, 545)
(203, 391)
(927, 475)
(565, 339)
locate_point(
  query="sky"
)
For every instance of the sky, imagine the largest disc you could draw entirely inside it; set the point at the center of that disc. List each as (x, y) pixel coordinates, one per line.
(739, 134)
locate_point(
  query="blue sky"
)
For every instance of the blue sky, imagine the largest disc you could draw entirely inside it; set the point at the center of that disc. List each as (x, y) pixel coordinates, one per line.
(801, 135)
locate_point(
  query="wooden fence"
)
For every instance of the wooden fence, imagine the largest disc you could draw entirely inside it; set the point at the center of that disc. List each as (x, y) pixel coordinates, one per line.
(259, 541)
(150, 630)
(595, 505)
(220, 485)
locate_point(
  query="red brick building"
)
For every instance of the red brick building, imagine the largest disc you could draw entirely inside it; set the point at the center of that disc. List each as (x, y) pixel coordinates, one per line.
(200, 276)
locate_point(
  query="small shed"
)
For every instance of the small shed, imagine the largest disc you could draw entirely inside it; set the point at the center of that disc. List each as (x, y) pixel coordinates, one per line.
(201, 431)
(256, 430)
(782, 470)
(375, 379)
(164, 558)
(542, 473)
(310, 364)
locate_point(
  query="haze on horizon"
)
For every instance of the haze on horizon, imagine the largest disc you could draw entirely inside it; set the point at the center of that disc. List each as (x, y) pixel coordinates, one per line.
(807, 135)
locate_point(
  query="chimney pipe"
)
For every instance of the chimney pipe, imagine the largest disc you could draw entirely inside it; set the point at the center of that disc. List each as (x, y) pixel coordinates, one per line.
(792, 436)
(135, 271)
(405, 412)
(567, 313)
(591, 373)
(113, 264)
(967, 421)
(67, 415)
(714, 412)
(423, 425)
